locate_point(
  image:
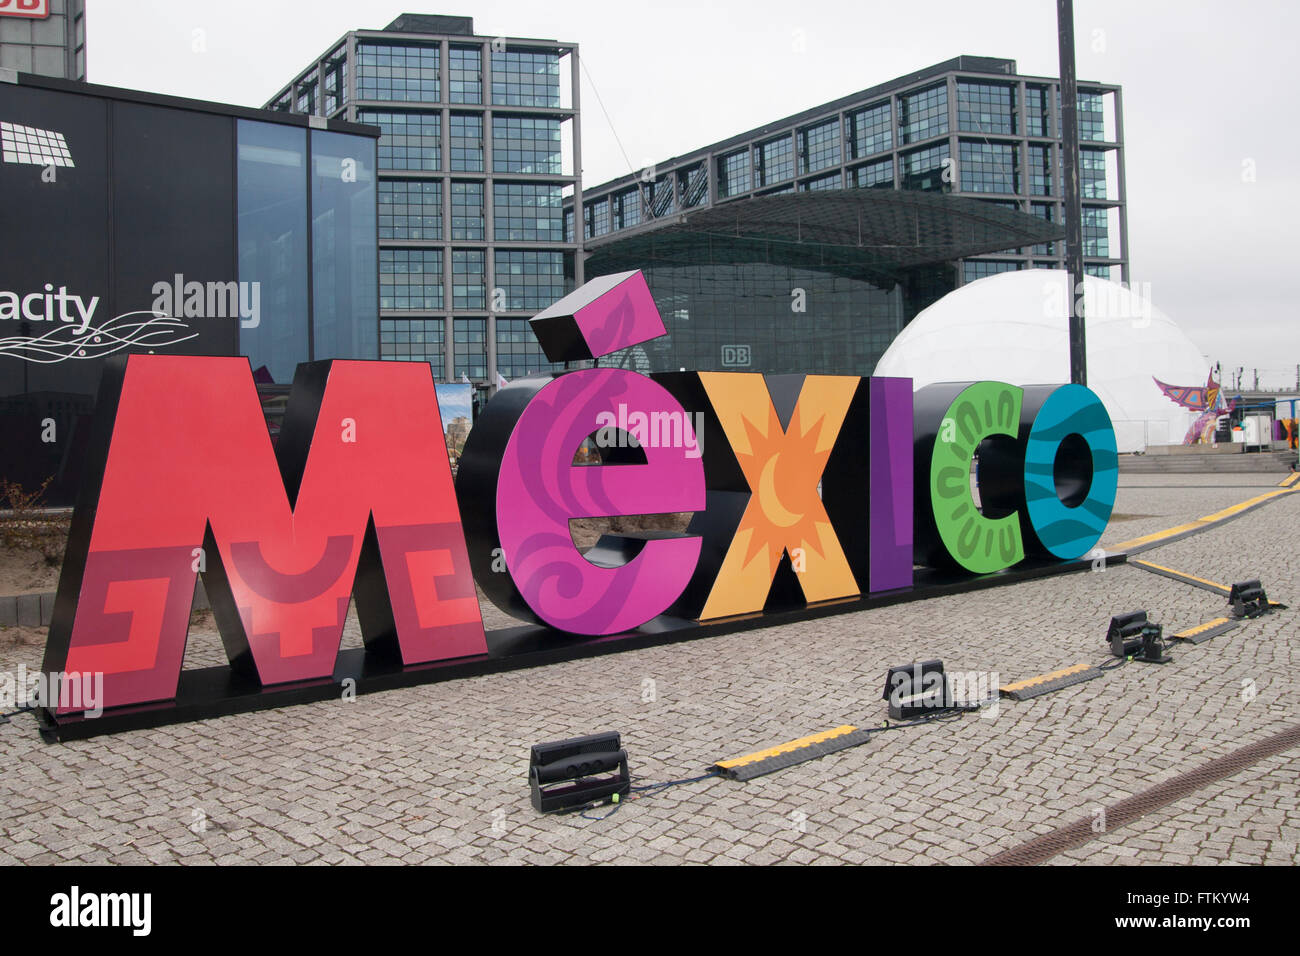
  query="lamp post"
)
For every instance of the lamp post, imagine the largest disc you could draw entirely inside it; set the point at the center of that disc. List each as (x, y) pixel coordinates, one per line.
(1073, 206)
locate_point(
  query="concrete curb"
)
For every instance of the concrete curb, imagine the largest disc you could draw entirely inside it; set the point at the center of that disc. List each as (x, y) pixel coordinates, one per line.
(37, 610)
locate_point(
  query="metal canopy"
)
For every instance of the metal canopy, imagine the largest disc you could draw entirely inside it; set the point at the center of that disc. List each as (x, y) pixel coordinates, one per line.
(890, 229)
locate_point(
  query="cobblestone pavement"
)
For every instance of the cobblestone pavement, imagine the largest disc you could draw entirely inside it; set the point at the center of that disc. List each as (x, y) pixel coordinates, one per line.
(438, 773)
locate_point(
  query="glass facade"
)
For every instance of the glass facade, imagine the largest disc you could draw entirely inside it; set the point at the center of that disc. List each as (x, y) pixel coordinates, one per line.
(973, 269)
(525, 144)
(773, 161)
(870, 131)
(927, 169)
(1038, 117)
(989, 167)
(465, 74)
(470, 348)
(296, 194)
(345, 306)
(527, 212)
(819, 146)
(821, 182)
(727, 306)
(410, 209)
(467, 277)
(923, 114)
(466, 143)
(414, 340)
(399, 72)
(988, 108)
(693, 185)
(879, 174)
(525, 78)
(467, 219)
(271, 173)
(1092, 173)
(410, 279)
(518, 353)
(530, 280)
(1040, 170)
(409, 140)
(733, 173)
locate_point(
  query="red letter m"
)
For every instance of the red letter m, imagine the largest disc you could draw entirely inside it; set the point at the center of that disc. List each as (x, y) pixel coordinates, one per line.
(183, 478)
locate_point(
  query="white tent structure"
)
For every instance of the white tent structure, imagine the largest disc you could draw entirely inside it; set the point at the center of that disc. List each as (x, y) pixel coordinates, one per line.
(1013, 327)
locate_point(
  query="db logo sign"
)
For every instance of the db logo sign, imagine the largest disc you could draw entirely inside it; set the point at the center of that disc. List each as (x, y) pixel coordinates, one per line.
(734, 356)
(39, 9)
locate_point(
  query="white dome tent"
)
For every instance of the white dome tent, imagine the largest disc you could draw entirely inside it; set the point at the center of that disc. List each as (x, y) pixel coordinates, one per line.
(1013, 327)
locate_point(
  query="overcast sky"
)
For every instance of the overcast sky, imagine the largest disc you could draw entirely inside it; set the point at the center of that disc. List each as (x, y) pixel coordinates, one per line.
(1209, 102)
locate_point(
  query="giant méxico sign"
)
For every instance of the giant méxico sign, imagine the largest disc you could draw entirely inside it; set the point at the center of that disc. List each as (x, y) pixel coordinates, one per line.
(808, 493)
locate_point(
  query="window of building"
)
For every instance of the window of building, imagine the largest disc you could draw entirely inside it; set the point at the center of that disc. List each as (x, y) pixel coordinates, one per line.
(467, 220)
(733, 173)
(1096, 239)
(307, 96)
(1092, 117)
(410, 279)
(525, 78)
(822, 182)
(923, 114)
(870, 131)
(415, 340)
(1040, 170)
(467, 273)
(693, 185)
(972, 269)
(518, 352)
(989, 167)
(1100, 271)
(1045, 211)
(335, 69)
(879, 174)
(409, 140)
(531, 280)
(402, 72)
(659, 196)
(596, 217)
(1092, 173)
(987, 108)
(1038, 116)
(527, 212)
(775, 161)
(466, 143)
(410, 209)
(465, 74)
(819, 146)
(927, 169)
(525, 144)
(627, 208)
(568, 225)
(470, 345)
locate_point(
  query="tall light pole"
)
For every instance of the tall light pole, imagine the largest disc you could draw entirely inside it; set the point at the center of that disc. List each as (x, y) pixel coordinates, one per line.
(1073, 206)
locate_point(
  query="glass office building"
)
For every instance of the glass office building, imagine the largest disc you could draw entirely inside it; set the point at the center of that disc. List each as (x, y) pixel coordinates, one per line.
(804, 245)
(479, 148)
(49, 45)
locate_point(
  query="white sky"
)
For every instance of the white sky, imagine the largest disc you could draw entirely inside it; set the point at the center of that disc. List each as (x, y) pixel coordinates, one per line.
(1207, 88)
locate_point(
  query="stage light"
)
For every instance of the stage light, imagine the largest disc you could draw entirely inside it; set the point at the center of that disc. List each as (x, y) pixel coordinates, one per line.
(1248, 599)
(578, 772)
(1132, 635)
(917, 689)
(1125, 633)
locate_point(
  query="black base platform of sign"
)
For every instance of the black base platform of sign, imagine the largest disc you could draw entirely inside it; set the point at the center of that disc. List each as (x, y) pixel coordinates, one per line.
(209, 692)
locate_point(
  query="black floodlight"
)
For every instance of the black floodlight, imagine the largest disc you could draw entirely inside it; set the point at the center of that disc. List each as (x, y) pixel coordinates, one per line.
(575, 773)
(1153, 645)
(1248, 599)
(916, 689)
(1125, 633)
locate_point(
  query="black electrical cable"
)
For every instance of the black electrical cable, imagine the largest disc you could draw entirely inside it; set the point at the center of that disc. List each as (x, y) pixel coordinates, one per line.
(4, 718)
